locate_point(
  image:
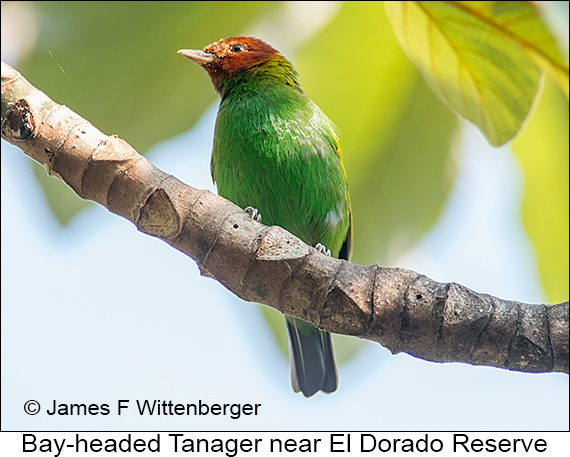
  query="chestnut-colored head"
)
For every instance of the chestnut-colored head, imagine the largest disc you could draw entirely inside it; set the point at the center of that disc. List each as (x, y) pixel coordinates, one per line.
(230, 56)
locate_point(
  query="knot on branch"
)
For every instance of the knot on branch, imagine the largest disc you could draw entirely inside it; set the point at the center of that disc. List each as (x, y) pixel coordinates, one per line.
(18, 123)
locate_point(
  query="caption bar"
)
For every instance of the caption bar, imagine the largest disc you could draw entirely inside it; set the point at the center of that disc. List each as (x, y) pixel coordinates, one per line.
(232, 444)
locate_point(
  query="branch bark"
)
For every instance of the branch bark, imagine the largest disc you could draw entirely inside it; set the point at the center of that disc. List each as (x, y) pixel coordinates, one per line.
(401, 309)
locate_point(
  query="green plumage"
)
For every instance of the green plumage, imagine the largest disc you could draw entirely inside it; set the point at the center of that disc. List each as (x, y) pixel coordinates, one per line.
(276, 151)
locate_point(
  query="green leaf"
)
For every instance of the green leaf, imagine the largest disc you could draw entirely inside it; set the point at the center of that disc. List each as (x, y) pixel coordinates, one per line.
(115, 64)
(480, 58)
(543, 153)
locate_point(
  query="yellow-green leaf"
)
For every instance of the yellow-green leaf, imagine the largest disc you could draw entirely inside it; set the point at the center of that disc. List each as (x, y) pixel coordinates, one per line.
(480, 58)
(543, 152)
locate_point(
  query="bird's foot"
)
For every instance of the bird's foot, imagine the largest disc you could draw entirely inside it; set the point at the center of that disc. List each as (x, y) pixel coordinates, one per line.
(254, 214)
(323, 249)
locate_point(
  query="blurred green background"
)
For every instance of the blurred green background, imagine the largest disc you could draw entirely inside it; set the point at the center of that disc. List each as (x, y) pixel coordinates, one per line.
(122, 73)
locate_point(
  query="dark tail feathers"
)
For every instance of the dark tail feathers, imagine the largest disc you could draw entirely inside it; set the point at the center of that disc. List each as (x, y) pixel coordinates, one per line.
(312, 359)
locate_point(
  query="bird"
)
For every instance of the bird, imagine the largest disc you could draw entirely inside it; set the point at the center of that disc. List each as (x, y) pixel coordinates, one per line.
(277, 155)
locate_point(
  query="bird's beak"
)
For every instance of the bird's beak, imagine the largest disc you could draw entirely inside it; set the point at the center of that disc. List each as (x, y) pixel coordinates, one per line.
(198, 57)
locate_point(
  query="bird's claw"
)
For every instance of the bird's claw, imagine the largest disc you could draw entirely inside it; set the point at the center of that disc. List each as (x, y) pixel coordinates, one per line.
(254, 213)
(323, 249)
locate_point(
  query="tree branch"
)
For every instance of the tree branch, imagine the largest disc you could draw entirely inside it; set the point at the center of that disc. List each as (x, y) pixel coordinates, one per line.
(401, 309)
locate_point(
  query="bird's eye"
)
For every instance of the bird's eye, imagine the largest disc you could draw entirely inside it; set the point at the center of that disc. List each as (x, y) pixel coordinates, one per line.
(237, 48)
